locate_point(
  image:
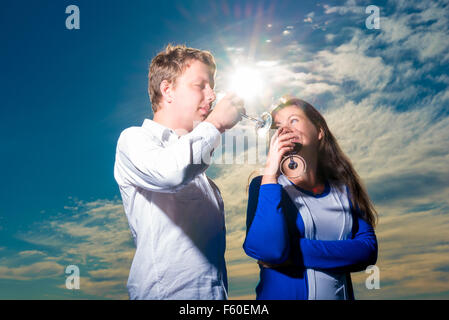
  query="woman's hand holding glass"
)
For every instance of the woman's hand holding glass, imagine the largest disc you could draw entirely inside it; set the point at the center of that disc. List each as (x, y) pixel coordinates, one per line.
(280, 144)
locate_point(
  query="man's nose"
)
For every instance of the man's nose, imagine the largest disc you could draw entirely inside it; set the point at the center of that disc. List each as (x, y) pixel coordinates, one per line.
(211, 95)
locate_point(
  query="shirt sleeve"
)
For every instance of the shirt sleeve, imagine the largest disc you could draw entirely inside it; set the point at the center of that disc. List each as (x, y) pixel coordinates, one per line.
(349, 255)
(267, 234)
(147, 164)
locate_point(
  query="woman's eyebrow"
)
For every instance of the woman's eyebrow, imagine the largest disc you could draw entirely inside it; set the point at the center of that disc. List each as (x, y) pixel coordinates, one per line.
(292, 115)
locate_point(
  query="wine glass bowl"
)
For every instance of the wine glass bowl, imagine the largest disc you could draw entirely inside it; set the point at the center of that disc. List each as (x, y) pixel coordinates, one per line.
(293, 165)
(264, 123)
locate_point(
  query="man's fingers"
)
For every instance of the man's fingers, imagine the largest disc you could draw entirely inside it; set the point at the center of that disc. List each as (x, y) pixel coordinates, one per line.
(230, 95)
(237, 101)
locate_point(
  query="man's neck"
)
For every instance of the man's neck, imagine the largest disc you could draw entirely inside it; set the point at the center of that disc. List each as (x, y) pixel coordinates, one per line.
(170, 122)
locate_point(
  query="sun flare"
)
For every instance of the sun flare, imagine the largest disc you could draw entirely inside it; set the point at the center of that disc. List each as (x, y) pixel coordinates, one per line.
(246, 82)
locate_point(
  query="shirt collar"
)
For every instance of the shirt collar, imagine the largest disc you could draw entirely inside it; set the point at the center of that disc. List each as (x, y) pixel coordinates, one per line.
(160, 131)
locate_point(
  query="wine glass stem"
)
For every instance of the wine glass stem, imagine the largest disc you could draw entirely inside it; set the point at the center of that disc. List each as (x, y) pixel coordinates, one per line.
(251, 118)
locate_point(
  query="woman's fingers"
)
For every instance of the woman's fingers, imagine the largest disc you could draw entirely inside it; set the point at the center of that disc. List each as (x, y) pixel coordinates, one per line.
(275, 136)
(288, 136)
(284, 150)
(285, 143)
(279, 139)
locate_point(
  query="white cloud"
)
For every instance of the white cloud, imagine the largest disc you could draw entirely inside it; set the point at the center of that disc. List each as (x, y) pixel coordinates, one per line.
(423, 31)
(401, 156)
(395, 29)
(308, 19)
(385, 146)
(33, 271)
(92, 235)
(349, 7)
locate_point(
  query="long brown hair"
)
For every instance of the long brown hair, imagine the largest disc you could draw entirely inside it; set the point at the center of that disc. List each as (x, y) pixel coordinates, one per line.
(333, 164)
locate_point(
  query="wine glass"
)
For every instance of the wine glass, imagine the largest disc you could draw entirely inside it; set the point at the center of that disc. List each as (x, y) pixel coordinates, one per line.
(292, 165)
(261, 123)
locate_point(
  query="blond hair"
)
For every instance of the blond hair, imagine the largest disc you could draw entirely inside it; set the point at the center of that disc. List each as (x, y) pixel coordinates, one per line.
(170, 64)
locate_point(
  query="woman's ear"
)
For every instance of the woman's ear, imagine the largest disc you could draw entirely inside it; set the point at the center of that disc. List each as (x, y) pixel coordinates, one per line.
(320, 134)
(166, 90)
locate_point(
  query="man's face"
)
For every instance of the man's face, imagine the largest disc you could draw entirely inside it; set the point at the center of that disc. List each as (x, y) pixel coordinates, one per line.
(193, 95)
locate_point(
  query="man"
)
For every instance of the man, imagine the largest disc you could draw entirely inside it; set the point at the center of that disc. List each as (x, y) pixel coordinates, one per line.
(175, 212)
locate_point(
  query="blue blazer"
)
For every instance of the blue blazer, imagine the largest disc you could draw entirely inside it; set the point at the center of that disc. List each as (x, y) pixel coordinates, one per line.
(275, 234)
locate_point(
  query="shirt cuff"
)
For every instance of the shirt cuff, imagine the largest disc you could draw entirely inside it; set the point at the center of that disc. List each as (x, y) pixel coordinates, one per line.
(209, 133)
(204, 139)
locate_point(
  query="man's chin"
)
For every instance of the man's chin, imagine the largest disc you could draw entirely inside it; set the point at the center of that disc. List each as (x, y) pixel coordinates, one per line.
(198, 121)
(201, 118)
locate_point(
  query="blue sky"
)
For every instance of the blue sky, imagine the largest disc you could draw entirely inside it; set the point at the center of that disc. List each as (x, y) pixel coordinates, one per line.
(67, 95)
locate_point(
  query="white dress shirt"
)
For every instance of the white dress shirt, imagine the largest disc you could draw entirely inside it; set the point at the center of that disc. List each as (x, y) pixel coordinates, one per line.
(175, 213)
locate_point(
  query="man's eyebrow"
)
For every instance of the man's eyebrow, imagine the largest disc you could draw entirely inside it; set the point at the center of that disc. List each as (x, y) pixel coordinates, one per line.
(202, 80)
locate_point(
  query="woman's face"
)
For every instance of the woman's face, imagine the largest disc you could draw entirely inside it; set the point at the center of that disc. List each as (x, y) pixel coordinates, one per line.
(292, 118)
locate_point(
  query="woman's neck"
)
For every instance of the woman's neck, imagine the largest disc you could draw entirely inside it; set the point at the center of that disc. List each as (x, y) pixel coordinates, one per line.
(310, 180)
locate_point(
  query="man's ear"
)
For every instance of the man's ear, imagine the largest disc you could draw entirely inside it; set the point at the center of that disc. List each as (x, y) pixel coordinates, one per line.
(166, 90)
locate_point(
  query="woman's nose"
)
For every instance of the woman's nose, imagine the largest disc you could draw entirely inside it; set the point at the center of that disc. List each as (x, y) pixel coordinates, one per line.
(285, 129)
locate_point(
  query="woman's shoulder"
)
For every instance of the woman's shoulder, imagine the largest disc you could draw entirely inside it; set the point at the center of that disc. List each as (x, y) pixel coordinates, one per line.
(255, 183)
(339, 186)
(257, 180)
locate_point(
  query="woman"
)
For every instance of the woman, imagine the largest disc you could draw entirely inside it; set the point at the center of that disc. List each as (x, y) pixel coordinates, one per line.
(308, 233)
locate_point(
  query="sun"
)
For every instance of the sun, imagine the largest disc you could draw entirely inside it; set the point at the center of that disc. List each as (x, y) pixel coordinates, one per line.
(246, 82)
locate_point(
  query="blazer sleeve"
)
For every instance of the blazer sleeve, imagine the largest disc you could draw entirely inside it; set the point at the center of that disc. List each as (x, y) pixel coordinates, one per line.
(350, 255)
(267, 234)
